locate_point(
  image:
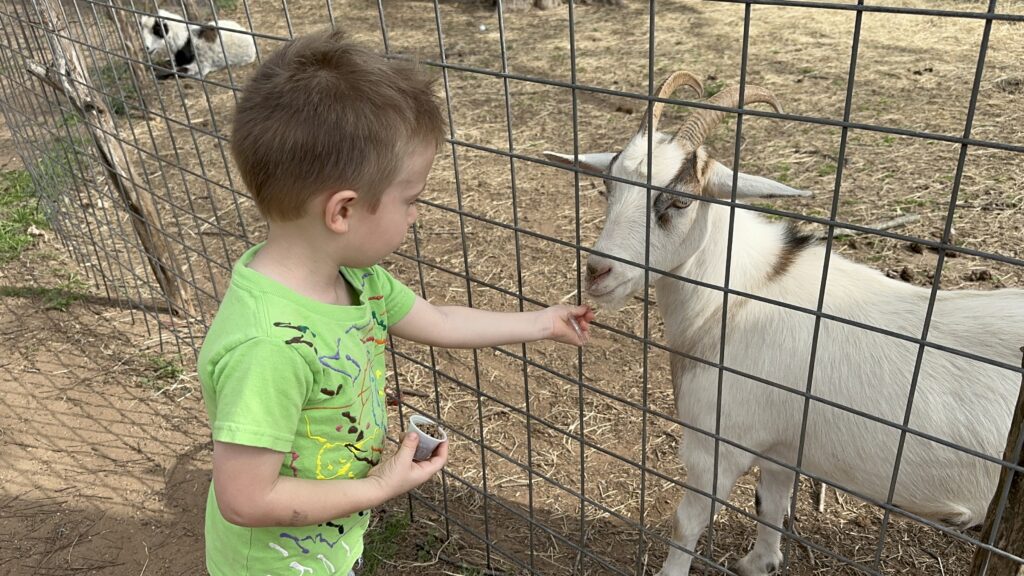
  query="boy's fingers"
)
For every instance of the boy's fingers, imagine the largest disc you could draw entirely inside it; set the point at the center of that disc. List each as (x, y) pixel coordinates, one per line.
(408, 447)
(583, 313)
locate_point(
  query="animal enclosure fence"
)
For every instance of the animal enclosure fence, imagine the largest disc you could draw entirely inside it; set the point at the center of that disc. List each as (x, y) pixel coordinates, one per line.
(904, 118)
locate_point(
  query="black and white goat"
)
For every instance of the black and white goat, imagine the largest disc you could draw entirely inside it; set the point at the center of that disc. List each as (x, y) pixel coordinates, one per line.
(965, 402)
(196, 50)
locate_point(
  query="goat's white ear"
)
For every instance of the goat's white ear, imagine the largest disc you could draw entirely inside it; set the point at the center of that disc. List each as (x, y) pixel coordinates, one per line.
(719, 184)
(597, 162)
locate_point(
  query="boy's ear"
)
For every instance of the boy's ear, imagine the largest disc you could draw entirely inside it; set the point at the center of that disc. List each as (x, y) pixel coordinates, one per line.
(338, 210)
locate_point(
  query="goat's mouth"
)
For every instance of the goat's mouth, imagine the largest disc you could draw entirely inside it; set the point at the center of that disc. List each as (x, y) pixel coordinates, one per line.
(597, 290)
(613, 296)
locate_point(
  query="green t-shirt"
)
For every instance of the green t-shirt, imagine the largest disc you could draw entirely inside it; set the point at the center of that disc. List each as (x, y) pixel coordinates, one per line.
(298, 376)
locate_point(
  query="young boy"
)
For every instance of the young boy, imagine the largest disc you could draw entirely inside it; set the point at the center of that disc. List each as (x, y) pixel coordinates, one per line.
(335, 144)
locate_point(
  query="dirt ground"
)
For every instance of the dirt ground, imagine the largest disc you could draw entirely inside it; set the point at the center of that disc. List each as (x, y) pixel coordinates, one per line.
(105, 448)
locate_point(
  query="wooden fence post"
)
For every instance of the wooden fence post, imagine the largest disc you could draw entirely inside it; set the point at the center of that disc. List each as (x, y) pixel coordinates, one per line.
(1010, 535)
(67, 75)
(192, 12)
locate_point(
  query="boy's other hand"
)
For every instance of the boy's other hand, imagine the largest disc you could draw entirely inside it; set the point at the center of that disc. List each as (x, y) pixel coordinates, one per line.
(400, 473)
(570, 324)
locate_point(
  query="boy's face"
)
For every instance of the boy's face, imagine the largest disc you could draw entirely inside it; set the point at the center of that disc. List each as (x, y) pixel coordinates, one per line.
(381, 233)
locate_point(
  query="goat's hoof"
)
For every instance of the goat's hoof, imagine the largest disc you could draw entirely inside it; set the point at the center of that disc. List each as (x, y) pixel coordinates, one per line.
(757, 564)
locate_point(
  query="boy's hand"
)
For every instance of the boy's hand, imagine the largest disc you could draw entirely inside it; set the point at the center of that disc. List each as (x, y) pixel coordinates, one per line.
(399, 474)
(570, 324)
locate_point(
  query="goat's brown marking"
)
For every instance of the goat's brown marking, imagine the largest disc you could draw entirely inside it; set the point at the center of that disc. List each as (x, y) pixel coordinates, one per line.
(794, 242)
(208, 33)
(608, 170)
(613, 161)
(686, 174)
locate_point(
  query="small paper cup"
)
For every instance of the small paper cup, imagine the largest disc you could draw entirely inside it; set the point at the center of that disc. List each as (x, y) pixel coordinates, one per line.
(427, 443)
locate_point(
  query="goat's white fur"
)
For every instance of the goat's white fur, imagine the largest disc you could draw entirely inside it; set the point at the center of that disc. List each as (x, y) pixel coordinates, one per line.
(966, 402)
(198, 50)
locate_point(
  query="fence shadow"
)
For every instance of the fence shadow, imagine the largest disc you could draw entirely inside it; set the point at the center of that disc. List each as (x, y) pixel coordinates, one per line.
(105, 464)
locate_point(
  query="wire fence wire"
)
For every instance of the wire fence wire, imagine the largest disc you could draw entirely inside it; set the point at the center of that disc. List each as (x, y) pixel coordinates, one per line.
(564, 461)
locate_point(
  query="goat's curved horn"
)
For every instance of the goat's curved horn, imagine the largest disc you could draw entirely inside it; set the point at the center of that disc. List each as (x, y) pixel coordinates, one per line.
(701, 122)
(677, 79)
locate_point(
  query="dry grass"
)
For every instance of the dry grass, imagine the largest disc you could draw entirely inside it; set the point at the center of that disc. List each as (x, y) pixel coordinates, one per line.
(913, 73)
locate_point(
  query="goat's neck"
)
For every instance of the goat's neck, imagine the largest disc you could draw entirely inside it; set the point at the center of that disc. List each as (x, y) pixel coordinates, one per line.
(688, 309)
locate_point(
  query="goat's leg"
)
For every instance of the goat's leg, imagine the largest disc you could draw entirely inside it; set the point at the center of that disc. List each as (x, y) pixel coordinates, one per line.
(772, 502)
(693, 512)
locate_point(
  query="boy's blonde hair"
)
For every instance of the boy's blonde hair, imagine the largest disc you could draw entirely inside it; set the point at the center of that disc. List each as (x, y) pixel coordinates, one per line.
(323, 113)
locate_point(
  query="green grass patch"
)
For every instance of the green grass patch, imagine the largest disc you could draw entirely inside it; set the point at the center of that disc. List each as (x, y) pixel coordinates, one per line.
(115, 82)
(228, 5)
(59, 297)
(19, 212)
(827, 169)
(782, 172)
(915, 202)
(64, 159)
(159, 372)
(382, 543)
(713, 87)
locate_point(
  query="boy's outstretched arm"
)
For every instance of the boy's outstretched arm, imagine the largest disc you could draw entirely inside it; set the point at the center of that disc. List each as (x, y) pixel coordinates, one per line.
(251, 492)
(463, 327)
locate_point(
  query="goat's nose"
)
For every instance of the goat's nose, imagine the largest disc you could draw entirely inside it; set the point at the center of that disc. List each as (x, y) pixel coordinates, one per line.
(596, 271)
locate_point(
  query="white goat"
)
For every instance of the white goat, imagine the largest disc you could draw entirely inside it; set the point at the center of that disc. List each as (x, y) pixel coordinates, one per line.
(196, 50)
(965, 402)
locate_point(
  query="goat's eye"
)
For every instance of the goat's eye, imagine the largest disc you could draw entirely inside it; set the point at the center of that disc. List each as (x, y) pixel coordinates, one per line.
(606, 190)
(665, 203)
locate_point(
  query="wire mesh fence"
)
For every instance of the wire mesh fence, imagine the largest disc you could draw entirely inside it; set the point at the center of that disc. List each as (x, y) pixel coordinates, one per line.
(903, 119)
